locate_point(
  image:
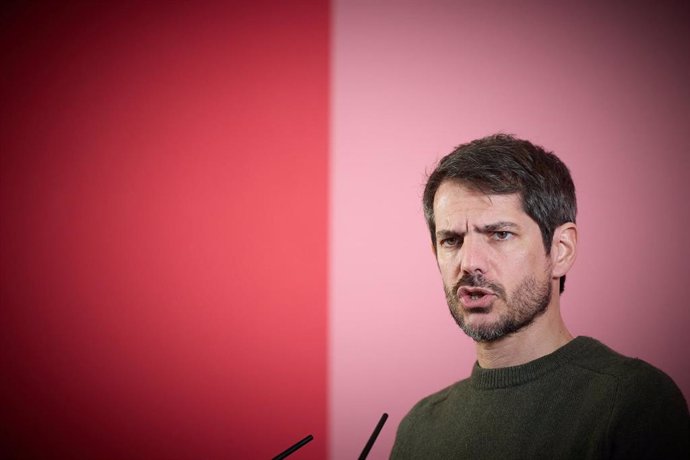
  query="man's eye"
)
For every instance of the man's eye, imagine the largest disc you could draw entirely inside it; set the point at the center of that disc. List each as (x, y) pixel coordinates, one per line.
(502, 236)
(449, 242)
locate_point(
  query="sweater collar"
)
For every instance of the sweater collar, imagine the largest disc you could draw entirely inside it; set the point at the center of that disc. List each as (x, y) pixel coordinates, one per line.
(486, 379)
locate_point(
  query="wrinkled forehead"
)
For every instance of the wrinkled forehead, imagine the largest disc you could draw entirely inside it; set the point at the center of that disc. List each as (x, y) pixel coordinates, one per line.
(453, 197)
(458, 209)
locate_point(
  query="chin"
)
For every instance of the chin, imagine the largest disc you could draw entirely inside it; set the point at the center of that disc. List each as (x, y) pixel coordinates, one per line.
(483, 331)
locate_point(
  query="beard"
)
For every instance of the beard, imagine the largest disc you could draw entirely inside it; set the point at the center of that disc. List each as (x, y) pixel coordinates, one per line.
(529, 300)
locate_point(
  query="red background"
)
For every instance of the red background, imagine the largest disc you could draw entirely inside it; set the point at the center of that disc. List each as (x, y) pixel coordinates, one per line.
(163, 195)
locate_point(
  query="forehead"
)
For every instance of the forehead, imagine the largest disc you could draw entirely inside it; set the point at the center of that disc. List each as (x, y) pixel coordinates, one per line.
(453, 201)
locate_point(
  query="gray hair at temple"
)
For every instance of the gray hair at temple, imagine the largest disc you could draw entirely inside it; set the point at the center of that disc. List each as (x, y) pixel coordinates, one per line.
(502, 164)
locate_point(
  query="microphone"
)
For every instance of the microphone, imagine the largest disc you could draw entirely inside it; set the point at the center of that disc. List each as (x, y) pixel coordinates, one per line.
(293, 448)
(372, 438)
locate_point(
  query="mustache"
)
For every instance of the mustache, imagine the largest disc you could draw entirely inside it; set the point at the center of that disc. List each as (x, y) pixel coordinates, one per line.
(478, 280)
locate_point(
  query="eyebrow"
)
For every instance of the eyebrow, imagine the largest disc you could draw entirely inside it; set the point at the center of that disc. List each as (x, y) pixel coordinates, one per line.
(448, 234)
(488, 228)
(498, 226)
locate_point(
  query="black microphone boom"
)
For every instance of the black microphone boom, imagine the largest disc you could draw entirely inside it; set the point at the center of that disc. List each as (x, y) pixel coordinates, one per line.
(372, 438)
(291, 449)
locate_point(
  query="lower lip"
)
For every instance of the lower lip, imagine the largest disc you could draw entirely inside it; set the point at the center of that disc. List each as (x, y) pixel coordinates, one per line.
(484, 301)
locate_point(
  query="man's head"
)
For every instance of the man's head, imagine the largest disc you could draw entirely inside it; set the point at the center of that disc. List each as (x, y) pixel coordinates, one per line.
(501, 165)
(501, 213)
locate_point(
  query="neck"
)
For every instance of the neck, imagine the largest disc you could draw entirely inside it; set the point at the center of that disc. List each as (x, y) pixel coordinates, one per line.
(544, 336)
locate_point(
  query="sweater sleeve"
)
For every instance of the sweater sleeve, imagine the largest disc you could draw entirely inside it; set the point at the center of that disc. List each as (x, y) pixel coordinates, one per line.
(650, 416)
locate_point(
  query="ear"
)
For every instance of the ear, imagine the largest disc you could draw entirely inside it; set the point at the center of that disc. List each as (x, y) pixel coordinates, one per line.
(563, 249)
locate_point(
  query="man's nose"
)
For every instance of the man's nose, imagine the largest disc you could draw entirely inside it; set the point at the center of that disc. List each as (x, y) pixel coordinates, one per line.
(474, 255)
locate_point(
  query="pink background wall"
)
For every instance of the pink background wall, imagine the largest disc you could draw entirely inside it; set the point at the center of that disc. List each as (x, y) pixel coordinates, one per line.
(605, 86)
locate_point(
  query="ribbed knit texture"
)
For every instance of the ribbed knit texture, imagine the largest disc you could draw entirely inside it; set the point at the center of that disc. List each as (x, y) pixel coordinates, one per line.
(581, 401)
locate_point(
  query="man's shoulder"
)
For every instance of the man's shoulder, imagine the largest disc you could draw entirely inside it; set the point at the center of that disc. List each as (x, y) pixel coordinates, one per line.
(638, 385)
(419, 422)
(649, 415)
(599, 358)
(433, 402)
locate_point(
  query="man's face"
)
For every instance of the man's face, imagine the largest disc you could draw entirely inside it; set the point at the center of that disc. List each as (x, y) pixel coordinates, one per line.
(495, 270)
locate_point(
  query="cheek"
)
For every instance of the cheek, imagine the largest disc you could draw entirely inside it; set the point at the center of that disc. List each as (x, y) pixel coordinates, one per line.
(448, 276)
(444, 263)
(515, 267)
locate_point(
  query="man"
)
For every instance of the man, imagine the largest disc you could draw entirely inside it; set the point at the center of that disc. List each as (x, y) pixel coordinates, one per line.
(501, 212)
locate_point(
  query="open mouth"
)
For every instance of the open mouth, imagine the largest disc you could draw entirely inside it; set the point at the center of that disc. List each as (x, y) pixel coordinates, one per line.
(475, 297)
(473, 292)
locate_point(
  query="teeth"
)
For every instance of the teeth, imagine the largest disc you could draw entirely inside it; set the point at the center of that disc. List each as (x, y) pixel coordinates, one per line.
(475, 296)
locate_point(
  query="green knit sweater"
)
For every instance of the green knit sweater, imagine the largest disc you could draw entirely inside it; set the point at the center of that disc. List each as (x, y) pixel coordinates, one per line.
(582, 401)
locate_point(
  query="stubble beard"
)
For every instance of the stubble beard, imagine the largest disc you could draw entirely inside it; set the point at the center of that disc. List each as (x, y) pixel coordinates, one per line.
(530, 300)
